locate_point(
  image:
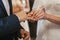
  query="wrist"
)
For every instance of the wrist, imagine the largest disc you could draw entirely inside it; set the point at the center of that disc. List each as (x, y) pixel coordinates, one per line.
(21, 16)
(46, 16)
(17, 16)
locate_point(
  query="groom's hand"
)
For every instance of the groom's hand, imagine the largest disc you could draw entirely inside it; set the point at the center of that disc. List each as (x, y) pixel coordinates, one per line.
(25, 35)
(22, 16)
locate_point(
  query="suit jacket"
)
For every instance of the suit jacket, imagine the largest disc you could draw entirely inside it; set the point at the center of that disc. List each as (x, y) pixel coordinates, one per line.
(9, 25)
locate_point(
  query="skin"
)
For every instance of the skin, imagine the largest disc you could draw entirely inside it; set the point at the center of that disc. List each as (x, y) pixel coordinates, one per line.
(53, 18)
(25, 35)
(41, 14)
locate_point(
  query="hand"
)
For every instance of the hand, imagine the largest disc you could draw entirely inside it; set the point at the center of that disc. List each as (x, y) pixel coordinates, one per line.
(31, 16)
(38, 14)
(22, 16)
(17, 9)
(25, 35)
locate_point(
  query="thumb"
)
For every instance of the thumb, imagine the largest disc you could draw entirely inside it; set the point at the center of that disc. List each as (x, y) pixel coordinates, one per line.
(22, 33)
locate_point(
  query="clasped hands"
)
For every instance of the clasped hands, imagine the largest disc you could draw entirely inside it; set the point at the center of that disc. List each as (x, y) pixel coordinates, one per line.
(34, 15)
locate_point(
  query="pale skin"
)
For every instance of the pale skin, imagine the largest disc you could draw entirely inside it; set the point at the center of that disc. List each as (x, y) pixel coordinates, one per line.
(25, 35)
(53, 18)
(41, 14)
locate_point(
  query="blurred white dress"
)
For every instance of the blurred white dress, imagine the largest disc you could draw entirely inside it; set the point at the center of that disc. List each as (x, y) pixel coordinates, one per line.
(47, 30)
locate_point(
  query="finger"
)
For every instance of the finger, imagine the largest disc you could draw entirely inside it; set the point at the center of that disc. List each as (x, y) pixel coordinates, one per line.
(32, 12)
(35, 12)
(22, 33)
(33, 18)
(42, 13)
(36, 17)
(41, 17)
(29, 15)
(43, 9)
(39, 12)
(27, 37)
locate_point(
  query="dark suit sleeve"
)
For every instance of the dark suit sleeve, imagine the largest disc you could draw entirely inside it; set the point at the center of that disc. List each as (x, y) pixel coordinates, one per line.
(9, 25)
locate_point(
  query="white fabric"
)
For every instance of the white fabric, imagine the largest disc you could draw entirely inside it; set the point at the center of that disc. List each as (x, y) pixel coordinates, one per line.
(45, 29)
(6, 4)
(25, 25)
